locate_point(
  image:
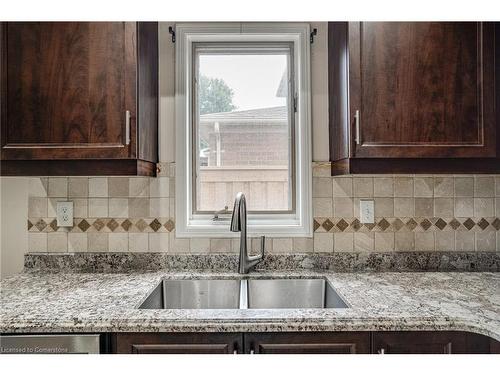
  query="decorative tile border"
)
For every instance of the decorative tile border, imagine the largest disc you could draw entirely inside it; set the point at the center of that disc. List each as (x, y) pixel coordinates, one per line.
(104, 225)
(406, 224)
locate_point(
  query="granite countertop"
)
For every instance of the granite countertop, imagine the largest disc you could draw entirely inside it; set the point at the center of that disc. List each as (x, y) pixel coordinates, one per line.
(107, 302)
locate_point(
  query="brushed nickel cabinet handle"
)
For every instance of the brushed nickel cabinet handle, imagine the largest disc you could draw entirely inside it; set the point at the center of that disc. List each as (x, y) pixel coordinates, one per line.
(127, 127)
(357, 119)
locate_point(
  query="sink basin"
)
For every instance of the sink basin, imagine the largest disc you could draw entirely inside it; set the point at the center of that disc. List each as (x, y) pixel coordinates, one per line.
(292, 294)
(194, 294)
(243, 294)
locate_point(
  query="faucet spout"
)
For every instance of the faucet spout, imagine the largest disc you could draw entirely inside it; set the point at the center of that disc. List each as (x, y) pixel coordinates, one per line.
(239, 224)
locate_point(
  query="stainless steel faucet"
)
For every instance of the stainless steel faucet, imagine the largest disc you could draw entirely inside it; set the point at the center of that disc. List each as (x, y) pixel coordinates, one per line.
(239, 224)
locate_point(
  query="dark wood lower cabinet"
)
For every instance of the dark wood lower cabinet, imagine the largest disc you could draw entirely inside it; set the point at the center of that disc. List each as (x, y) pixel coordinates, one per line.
(177, 343)
(304, 343)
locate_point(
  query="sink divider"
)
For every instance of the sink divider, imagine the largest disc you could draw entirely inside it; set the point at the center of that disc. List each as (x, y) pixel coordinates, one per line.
(243, 294)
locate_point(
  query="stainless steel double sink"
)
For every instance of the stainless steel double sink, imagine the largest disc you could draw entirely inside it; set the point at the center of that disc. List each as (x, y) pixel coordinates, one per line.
(258, 293)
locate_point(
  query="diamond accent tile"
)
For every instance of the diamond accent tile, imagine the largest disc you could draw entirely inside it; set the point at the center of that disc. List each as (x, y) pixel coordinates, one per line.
(126, 224)
(155, 225)
(440, 223)
(30, 225)
(469, 223)
(327, 225)
(98, 224)
(454, 224)
(112, 224)
(316, 225)
(53, 225)
(41, 224)
(483, 223)
(369, 226)
(397, 224)
(383, 224)
(496, 223)
(411, 224)
(141, 225)
(342, 225)
(356, 225)
(84, 225)
(169, 225)
(426, 224)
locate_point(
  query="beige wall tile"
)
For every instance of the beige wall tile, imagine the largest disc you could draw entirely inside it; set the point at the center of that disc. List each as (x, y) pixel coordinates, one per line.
(98, 242)
(404, 207)
(424, 207)
(484, 207)
(404, 241)
(464, 241)
(80, 207)
(383, 187)
(200, 245)
(158, 242)
(497, 204)
(484, 186)
(343, 207)
(444, 241)
(302, 245)
(424, 187)
(220, 245)
(486, 241)
(443, 207)
(139, 187)
(78, 187)
(343, 242)
(321, 169)
(57, 242)
(118, 187)
(118, 242)
(52, 206)
(98, 187)
(37, 207)
(322, 187)
(172, 187)
(403, 187)
(363, 187)
(98, 207)
(159, 207)
(424, 241)
(342, 187)
(282, 245)
(37, 242)
(364, 242)
(38, 186)
(159, 187)
(497, 186)
(118, 207)
(443, 186)
(384, 207)
(322, 207)
(138, 242)
(323, 242)
(384, 241)
(77, 242)
(58, 187)
(178, 245)
(138, 207)
(254, 244)
(464, 186)
(464, 207)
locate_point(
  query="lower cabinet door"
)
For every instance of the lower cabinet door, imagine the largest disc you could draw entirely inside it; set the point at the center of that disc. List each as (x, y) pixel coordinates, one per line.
(419, 342)
(308, 343)
(177, 343)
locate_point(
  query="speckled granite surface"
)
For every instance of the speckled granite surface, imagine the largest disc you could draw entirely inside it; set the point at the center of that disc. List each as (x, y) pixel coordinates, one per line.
(107, 302)
(338, 262)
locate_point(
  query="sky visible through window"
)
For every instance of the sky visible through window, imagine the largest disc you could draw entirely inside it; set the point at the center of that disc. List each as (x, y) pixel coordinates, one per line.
(254, 79)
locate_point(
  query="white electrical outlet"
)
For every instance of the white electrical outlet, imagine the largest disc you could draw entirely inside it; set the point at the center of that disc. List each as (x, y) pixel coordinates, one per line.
(64, 214)
(366, 211)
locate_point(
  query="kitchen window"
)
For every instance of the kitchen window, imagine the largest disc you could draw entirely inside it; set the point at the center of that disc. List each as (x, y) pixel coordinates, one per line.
(243, 124)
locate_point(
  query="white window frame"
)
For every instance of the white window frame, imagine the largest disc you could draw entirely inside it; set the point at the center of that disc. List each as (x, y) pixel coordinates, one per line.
(297, 224)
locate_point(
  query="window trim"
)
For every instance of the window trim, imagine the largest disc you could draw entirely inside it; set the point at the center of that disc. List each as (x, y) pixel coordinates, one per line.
(297, 224)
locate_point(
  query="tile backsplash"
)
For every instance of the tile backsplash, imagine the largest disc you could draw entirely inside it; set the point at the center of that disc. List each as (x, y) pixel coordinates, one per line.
(412, 212)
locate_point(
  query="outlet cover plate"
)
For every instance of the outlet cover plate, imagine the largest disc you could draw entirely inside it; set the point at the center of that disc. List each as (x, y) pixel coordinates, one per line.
(367, 211)
(64, 212)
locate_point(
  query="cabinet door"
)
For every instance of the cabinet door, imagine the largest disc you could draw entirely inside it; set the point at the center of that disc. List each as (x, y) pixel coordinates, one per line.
(177, 343)
(422, 89)
(308, 343)
(66, 87)
(419, 343)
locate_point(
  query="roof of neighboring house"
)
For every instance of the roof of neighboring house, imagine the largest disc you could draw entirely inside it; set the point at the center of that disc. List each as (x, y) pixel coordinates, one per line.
(270, 113)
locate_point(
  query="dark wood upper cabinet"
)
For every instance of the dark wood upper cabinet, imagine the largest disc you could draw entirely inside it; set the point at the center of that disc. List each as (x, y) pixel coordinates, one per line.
(405, 93)
(79, 91)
